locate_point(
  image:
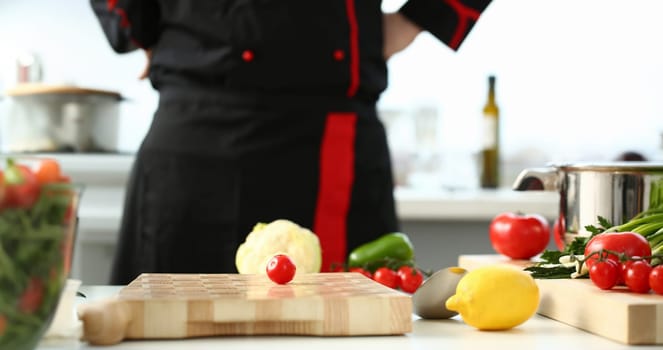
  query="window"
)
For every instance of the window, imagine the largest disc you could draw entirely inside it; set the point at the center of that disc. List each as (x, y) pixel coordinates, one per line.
(576, 80)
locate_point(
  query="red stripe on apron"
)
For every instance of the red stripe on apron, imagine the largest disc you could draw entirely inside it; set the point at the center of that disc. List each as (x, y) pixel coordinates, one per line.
(354, 47)
(335, 186)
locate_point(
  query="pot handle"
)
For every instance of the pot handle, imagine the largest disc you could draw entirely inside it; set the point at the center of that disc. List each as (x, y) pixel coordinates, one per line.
(546, 179)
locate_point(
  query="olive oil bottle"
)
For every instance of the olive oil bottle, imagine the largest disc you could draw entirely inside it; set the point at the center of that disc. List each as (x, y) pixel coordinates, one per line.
(490, 141)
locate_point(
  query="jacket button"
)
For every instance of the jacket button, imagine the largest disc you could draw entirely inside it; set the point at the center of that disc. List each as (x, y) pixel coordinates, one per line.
(248, 55)
(339, 55)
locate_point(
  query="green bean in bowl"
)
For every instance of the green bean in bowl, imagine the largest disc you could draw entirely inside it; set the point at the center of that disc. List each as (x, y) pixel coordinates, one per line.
(38, 207)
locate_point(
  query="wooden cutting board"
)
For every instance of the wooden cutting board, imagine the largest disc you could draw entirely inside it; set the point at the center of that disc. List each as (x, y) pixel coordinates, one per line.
(195, 305)
(616, 314)
(32, 89)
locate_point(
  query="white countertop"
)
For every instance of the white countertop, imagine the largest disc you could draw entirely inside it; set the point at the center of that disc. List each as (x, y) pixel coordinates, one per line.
(111, 170)
(537, 333)
(102, 207)
(472, 204)
(104, 177)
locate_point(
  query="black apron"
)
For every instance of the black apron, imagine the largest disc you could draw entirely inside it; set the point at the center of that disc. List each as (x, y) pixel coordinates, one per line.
(214, 165)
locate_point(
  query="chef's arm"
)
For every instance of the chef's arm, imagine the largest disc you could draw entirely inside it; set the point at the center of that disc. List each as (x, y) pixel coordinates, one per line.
(399, 32)
(148, 61)
(128, 24)
(448, 20)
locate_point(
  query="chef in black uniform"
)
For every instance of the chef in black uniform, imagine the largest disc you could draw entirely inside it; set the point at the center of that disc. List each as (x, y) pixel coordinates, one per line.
(267, 111)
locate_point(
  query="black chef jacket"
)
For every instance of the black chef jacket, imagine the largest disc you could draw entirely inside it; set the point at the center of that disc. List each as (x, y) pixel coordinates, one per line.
(266, 111)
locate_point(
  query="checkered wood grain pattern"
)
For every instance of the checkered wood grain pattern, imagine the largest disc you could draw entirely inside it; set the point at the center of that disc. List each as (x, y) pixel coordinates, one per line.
(325, 304)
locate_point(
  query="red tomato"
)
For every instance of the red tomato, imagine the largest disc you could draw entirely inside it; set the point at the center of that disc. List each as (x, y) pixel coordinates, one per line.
(629, 243)
(605, 273)
(66, 247)
(281, 269)
(361, 271)
(22, 189)
(386, 276)
(622, 271)
(656, 279)
(3, 324)
(409, 279)
(48, 171)
(558, 233)
(32, 296)
(637, 276)
(2, 188)
(68, 214)
(519, 236)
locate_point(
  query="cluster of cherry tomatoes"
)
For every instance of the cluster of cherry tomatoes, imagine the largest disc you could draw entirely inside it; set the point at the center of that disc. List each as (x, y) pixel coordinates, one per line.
(281, 270)
(622, 258)
(20, 184)
(635, 273)
(406, 278)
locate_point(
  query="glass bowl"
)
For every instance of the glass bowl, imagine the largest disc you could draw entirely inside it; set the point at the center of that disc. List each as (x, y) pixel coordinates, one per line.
(36, 249)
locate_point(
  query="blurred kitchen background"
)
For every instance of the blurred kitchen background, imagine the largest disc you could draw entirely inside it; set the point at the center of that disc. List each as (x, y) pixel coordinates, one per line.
(576, 80)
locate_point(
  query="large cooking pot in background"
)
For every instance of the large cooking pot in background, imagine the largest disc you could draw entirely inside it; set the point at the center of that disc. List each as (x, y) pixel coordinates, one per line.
(616, 191)
(60, 118)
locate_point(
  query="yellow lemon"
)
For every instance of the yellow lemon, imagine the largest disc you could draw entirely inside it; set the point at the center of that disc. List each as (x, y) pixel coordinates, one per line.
(495, 297)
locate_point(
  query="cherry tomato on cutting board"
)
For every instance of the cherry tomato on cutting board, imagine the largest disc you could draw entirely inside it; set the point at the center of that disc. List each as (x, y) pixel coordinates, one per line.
(519, 236)
(605, 273)
(656, 279)
(281, 269)
(637, 276)
(629, 243)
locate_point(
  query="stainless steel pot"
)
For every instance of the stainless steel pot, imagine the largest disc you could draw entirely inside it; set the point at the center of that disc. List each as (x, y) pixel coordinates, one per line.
(616, 191)
(60, 118)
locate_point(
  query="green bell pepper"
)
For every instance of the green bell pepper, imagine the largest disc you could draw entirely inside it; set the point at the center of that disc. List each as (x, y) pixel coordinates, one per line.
(389, 247)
